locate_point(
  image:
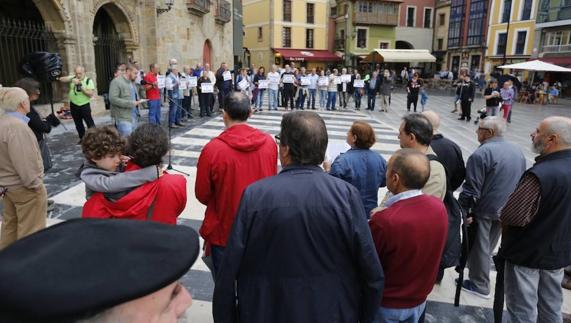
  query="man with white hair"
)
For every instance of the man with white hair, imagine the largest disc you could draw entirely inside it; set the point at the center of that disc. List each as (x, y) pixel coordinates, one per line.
(21, 170)
(81, 90)
(536, 220)
(492, 173)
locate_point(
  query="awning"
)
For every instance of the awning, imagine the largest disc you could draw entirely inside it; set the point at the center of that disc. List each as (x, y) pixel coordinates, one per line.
(561, 61)
(536, 65)
(307, 55)
(400, 56)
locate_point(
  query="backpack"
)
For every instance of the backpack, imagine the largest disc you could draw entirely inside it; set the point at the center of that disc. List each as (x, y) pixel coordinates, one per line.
(453, 246)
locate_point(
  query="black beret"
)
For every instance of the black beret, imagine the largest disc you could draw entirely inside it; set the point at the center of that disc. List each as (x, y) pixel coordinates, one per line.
(81, 267)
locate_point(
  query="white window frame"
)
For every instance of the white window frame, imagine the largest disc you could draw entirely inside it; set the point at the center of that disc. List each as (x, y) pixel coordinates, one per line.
(497, 41)
(357, 38)
(501, 13)
(414, 18)
(431, 17)
(385, 42)
(531, 13)
(514, 41)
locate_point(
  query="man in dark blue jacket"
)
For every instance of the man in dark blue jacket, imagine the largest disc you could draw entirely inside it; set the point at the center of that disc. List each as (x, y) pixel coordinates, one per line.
(300, 249)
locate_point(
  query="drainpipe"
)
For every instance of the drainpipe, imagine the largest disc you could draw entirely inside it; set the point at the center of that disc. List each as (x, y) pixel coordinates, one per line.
(272, 5)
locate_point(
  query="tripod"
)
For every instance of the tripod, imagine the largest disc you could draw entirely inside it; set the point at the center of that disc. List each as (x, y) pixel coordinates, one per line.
(169, 166)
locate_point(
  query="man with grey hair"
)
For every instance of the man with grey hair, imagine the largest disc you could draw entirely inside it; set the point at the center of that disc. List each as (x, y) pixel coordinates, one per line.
(21, 170)
(492, 173)
(81, 90)
(536, 242)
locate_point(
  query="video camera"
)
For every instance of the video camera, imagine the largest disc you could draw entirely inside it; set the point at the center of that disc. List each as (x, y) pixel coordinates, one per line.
(43, 66)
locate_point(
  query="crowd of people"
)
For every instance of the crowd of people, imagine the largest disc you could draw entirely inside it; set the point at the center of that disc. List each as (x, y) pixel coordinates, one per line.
(300, 245)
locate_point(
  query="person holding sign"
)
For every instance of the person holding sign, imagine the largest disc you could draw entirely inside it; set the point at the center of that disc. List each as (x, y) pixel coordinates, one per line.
(303, 84)
(244, 85)
(322, 83)
(153, 94)
(205, 94)
(386, 88)
(312, 89)
(358, 86)
(223, 83)
(372, 90)
(342, 88)
(332, 90)
(261, 86)
(175, 101)
(273, 87)
(288, 79)
(186, 91)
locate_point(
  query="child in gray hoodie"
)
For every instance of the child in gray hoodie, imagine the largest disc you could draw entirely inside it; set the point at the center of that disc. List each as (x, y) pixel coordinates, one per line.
(102, 170)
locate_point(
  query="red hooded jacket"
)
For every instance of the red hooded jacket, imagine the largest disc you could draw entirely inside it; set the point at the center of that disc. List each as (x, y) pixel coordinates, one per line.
(238, 157)
(168, 193)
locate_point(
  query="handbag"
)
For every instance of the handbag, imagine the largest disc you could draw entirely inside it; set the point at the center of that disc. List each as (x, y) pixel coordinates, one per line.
(46, 155)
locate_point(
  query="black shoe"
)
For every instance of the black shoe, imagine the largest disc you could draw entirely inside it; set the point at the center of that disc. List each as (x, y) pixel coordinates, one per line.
(79, 142)
(209, 115)
(462, 118)
(468, 120)
(180, 124)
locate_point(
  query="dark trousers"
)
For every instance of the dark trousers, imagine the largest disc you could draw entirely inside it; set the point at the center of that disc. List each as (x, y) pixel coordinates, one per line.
(204, 101)
(187, 107)
(217, 255)
(288, 98)
(411, 99)
(342, 99)
(221, 95)
(466, 109)
(300, 100)
(81, 113)
(371, 96)
(311, 99)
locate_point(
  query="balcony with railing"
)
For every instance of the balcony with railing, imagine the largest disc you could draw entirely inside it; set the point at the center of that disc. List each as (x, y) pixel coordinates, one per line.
(198, 7)
(376, 13)
(223, 13)
(554, 13)
(557, 48)
(339, 44)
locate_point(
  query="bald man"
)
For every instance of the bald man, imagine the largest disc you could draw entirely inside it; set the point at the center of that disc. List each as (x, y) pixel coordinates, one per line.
(448, 152)
(536, 221)
(410, 264)
(81, 90)
(21, 170)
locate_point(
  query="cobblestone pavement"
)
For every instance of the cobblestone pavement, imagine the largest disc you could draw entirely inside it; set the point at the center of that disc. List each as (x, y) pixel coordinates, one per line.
(68, 192)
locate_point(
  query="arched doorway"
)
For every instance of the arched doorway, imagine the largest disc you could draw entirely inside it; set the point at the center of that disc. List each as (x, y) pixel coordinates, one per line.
(207, 53)
(247, 58)
(22, 31)
(401, 44)
(109, 43)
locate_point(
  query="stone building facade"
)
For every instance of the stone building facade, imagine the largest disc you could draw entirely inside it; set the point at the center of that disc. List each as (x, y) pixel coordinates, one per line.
(99, 33)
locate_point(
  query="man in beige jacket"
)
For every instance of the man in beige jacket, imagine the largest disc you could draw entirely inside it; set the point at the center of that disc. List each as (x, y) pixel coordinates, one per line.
(21, 170)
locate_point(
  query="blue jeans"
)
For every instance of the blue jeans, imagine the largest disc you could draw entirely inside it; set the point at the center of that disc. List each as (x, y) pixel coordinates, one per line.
(174, 111)
(273, 99)
(155, 111)
(357, 96)
(260, 98)
(322, 98)
(399, 315)
(311, 99)
(217, 255)
(371, 96)
(124, 128)
(331, 100)
(300, 100)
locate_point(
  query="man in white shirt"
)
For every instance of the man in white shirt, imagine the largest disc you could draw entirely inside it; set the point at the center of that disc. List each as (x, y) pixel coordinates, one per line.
(273, 87)
(313, 77)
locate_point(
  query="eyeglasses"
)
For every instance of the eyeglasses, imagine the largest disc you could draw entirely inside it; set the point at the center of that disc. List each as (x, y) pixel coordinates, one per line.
(277, 137)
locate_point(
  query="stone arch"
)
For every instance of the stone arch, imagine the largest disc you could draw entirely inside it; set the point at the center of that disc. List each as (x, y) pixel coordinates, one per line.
(207, 53)
(55, 15)
(403, 44)
(123, 20)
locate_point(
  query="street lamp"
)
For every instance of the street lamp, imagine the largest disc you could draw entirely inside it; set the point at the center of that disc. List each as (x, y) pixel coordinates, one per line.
(168, 4)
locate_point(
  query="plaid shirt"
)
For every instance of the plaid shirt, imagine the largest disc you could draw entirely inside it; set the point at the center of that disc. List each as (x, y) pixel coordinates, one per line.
(523, 204)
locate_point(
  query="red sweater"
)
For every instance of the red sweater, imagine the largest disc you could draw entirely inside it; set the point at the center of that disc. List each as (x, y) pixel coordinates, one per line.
(168, 192)
(238, 157)
(409, 237)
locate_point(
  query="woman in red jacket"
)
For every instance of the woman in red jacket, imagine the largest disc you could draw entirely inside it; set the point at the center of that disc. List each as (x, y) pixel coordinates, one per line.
(162, 200)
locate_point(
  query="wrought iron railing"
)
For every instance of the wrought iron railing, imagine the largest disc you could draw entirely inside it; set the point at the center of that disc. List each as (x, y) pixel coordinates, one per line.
(557, 48)
(198, 7)
(223, 12)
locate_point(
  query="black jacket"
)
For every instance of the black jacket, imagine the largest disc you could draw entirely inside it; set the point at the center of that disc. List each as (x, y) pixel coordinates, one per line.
(38, 126)
(300, 251)
(466, 91)
(450, 155)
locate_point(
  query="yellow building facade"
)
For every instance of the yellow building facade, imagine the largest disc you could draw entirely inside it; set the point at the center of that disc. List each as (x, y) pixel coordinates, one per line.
(284, 31)
(511, 32)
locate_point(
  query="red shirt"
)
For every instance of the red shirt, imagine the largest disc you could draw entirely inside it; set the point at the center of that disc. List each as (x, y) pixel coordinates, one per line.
(409, 237)
(238, 157)
(168, 194)
(152, 92)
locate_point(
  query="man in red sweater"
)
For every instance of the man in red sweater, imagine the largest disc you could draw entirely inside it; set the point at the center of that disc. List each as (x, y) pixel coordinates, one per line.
(409, 236)
(238, 157)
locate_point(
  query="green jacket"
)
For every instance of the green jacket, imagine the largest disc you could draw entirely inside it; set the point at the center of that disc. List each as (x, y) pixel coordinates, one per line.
(120, 98)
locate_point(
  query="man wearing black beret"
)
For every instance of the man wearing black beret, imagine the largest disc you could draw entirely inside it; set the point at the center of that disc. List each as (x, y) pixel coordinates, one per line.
(92, 270)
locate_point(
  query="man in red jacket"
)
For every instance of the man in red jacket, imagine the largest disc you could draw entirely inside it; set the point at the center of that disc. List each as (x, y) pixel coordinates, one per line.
(409, 236)
(238, 157)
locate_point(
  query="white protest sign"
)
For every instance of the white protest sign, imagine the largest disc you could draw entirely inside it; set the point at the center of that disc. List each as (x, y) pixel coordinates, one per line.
(274, 79)
(227, 76)
(346, 78)
(263, 84)
(337, 80)
(192, 81)
(305, 80)
(161, 80)
(288, 78)
(244, 84)
(183, 84)
(207, 88)
(359, 83)
(323, 81)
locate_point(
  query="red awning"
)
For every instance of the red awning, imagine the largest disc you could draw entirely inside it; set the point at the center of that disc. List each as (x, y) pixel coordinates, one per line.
(564, 61)
(307, 55)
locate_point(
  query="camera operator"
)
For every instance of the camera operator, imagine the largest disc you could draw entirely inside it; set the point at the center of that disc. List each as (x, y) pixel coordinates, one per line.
(81, 89)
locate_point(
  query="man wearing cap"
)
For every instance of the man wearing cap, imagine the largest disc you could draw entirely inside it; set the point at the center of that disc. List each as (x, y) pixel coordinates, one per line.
(98, 271)
(21, 170)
